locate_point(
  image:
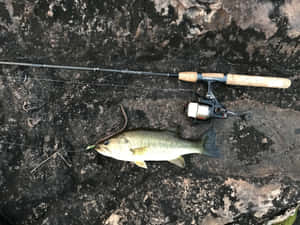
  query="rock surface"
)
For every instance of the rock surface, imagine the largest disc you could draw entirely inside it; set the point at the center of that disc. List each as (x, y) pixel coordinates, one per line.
(44, 111)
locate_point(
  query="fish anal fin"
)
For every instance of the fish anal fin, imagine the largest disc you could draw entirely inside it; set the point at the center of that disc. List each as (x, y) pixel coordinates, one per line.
(138, 151)
(141, 164)
(179, 161)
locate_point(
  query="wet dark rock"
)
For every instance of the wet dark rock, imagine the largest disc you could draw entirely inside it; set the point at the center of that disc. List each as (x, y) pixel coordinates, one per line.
(248, 143)
(43, 111)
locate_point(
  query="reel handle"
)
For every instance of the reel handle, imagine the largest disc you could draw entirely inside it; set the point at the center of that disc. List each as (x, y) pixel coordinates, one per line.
(237, 79)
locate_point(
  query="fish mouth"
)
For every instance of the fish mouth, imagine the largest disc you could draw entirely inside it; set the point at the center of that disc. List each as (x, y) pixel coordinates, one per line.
(99, 149)
(102, 150)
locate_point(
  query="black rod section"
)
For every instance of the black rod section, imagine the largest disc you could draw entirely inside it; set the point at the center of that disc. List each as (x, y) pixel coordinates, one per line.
(88, 69)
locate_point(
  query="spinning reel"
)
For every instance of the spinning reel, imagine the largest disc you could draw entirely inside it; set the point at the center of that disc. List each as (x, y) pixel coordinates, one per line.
(209, 107)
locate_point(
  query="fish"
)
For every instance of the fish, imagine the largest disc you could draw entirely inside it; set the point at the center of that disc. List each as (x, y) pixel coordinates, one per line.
(138, 146)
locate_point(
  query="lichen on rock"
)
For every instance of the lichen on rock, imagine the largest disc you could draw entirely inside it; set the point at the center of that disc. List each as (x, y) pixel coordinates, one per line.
(216, 15)
(291, 10)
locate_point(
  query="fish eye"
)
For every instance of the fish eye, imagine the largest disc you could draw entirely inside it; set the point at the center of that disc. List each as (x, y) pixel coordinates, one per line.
(106, 142)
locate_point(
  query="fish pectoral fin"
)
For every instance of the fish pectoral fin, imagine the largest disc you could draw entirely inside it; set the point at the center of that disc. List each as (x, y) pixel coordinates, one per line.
(178, 162)
(141, 164)
(138, 151)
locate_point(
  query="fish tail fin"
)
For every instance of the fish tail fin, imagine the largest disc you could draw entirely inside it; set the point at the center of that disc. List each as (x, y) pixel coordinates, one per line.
(208, 144)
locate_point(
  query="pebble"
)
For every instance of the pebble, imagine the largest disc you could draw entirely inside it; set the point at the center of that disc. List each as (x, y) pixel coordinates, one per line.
(264, 141)
(50, 13)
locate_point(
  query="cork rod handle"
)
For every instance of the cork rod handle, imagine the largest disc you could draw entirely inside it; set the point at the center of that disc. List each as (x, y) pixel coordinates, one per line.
(188, 76)
(193, 76)
(237, 79)
(257, 81)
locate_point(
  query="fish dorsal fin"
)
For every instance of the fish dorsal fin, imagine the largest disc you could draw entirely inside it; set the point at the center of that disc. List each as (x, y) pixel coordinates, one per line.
(179, 161)
(141, 164)
(138, 151)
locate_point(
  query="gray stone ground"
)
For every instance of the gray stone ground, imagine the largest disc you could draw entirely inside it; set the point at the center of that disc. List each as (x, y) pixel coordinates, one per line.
(45, 111)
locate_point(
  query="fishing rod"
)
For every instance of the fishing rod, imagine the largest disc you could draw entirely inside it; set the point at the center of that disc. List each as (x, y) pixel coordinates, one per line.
(205, 108)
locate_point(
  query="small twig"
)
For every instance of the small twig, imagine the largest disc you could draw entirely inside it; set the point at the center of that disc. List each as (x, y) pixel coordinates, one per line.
(63, 158)
(43, 162)
(25, 106)
(51, 157)
(32, 122)
(25, 77)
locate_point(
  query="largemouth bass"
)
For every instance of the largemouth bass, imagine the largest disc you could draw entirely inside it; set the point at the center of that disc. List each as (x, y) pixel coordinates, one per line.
(139, 146)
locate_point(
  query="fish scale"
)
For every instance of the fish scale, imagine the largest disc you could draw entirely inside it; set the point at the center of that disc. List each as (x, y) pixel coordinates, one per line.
(152, 144)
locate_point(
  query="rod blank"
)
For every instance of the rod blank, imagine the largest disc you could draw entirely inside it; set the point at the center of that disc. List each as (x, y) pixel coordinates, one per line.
(95, 69)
